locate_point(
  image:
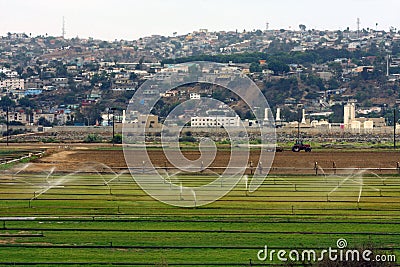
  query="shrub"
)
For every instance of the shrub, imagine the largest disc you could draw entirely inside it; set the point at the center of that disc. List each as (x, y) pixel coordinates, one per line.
(190, 139)
(92, 138)
(117, 139)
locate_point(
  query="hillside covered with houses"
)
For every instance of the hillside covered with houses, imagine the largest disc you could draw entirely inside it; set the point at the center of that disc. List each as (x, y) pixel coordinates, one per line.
(48, 81)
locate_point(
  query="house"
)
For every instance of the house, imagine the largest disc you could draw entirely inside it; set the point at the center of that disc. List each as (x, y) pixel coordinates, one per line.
(194, 96)
(170, 93)
(325, 75)
(146, 121)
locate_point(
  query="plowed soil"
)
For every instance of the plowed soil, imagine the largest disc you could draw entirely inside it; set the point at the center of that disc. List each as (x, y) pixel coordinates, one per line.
(284, 162)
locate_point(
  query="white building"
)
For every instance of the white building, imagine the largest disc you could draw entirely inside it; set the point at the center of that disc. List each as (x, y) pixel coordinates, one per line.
(194, 96)
(349, 114)
(355, 124)
(34, 117)
(12, 84)
(9, 73)
(215, 121)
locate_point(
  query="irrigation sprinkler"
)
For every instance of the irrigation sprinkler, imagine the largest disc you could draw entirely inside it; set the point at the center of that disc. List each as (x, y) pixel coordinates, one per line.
(246, 180)
(180, 192)
(195, 199)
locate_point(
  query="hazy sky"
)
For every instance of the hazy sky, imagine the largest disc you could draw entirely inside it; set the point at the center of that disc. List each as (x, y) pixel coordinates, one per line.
(124, 19)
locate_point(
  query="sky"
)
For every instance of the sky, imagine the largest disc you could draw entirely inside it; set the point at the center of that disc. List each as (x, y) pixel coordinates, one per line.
(132, 19)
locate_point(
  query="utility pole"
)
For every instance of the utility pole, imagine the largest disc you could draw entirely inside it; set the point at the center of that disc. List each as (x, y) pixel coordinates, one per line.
(113, 124)
(113, 118)
(7, 126)
(298, 125)
(108, 116)
(394, 127)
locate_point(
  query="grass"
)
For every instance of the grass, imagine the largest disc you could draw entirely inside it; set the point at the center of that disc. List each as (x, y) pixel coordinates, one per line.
(85, 221)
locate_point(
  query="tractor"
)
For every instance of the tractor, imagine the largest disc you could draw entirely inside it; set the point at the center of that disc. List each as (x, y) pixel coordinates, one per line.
(298, 146)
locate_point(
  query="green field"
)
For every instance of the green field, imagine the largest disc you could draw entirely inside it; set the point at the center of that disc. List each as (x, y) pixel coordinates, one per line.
(106, 219)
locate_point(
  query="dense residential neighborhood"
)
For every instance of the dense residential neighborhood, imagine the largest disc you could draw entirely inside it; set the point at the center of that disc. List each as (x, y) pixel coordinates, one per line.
(49, 81)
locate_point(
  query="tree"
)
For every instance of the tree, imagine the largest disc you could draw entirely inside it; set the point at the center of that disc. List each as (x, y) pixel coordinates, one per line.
(302, 27)
(132, 76)
(19, 70)
(61, 70)
(7, 102)
(278, 66)
(117, 139)
(29, 73)
(26, 102)
(140, 65)
(333, 84)
(44, 122)
(337, 116)
(255, 67)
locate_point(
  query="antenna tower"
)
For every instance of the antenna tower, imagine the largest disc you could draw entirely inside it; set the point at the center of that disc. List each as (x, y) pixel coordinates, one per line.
(63, 27)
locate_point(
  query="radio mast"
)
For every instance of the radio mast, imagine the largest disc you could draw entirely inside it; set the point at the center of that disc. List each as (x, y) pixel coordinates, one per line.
(63, 28)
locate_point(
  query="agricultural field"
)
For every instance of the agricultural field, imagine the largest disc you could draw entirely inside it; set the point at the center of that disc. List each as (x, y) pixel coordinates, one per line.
(80, 206)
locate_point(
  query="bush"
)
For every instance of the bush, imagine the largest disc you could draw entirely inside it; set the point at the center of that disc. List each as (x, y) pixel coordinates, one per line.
(117, 139)
(14, 132)
(48, 140)
(92, 138)
(190, 139)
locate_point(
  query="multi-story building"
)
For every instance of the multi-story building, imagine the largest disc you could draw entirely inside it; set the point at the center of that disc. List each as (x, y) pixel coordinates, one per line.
(12, 84)
(215, 121)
